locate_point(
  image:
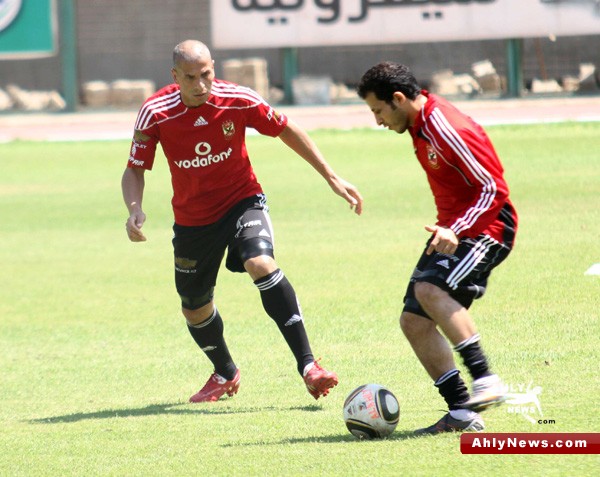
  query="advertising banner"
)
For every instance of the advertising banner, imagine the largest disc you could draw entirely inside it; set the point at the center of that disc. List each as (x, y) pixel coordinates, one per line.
(28, 29)
(298, 23)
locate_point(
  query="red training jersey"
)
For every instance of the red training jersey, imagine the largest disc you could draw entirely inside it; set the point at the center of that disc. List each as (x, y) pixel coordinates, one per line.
(463, 170)
(205, 147)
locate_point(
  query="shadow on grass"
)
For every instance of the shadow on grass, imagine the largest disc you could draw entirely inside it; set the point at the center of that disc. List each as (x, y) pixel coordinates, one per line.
(331, 439)
(177, 408)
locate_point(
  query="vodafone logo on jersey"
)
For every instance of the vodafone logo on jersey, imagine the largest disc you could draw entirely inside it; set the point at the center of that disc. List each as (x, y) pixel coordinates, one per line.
(204, 158)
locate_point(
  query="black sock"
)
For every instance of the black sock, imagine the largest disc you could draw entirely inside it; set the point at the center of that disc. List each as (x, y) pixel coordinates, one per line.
(473, 357)
(281, 304)
(209, 337)
(453, 389)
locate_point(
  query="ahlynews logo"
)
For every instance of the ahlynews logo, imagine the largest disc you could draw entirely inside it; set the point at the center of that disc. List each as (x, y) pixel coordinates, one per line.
(524, 400)
(530, 443)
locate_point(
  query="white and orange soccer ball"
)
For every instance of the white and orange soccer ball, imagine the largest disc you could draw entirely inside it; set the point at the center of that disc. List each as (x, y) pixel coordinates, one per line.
(371, 411)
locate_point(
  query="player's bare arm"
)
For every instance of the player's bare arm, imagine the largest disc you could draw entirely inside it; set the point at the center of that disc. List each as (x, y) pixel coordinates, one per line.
(132, 185)
(444, 241)
(300, 142)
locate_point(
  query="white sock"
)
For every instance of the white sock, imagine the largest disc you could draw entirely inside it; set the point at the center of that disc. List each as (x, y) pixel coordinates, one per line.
(491, 379)
(462, 414)
(307, 368)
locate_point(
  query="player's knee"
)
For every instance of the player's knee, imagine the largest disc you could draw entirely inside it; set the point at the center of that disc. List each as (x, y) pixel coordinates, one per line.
(402, 322)
(408, 324)
(198, 309)
(413, 325)
(261, 266)
(427, 293)
(193, 303)
(195, 317)
(254, 248)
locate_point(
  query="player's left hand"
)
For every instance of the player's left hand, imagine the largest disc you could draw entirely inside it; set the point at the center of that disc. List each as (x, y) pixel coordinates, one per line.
(444, 240)
(349, 192)
(134, 226)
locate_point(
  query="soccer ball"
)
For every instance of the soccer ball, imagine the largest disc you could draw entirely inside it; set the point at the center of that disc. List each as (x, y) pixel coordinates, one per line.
(371, 411)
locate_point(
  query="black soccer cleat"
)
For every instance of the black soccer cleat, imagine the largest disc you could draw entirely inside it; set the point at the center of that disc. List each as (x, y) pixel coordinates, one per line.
(449, 424)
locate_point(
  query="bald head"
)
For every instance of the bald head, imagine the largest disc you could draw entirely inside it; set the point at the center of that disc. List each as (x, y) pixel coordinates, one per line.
(189, 51)
(194, 71)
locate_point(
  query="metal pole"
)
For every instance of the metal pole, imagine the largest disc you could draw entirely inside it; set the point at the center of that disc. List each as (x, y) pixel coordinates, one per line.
(514, 61)
(290, 71)
(68, 53)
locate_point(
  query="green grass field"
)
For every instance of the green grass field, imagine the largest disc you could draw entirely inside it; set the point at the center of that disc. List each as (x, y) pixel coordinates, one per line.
(97, 365)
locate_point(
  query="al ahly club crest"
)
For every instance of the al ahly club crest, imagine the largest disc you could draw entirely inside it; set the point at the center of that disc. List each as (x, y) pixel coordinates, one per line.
(432, 158)
(228, 129)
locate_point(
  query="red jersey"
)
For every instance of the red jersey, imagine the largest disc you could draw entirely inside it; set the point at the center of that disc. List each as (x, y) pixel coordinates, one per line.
(205, 147)
(463, 170)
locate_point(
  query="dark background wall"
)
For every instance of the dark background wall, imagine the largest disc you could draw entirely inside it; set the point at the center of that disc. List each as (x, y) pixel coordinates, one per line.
(134, 40)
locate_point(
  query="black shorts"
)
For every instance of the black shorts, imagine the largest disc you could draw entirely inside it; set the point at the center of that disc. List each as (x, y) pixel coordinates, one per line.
(199, 250)
(463, 275)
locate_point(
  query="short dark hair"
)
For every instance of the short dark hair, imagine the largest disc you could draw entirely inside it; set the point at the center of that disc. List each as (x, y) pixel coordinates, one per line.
(384, 79)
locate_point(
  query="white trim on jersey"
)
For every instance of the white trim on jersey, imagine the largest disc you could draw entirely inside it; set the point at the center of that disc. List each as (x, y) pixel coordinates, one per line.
(440, 124)
(146, 115)
(434, 143)
(236, 88)
(235, 91)
(156, 105)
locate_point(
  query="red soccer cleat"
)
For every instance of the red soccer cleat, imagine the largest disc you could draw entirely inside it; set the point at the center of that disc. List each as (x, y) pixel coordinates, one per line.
(215, 387)
(319, 381)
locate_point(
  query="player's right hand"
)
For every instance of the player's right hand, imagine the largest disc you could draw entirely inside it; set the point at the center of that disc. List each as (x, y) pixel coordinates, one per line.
(444, 240)
(134, 227)
(346, 190)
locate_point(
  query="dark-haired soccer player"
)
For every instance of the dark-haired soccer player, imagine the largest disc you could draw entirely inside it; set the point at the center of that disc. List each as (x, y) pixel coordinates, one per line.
(474, 232)
(219, 206)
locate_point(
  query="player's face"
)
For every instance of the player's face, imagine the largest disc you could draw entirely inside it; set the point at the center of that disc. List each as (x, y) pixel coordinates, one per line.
(195, 80)
(393, 116)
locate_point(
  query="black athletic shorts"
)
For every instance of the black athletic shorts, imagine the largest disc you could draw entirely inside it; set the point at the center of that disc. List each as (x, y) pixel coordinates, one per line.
(199, 250)
(463, 275)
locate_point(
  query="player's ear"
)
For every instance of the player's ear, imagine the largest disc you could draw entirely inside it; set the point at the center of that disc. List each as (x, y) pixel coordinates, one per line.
(174, 75)
(399, 98)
